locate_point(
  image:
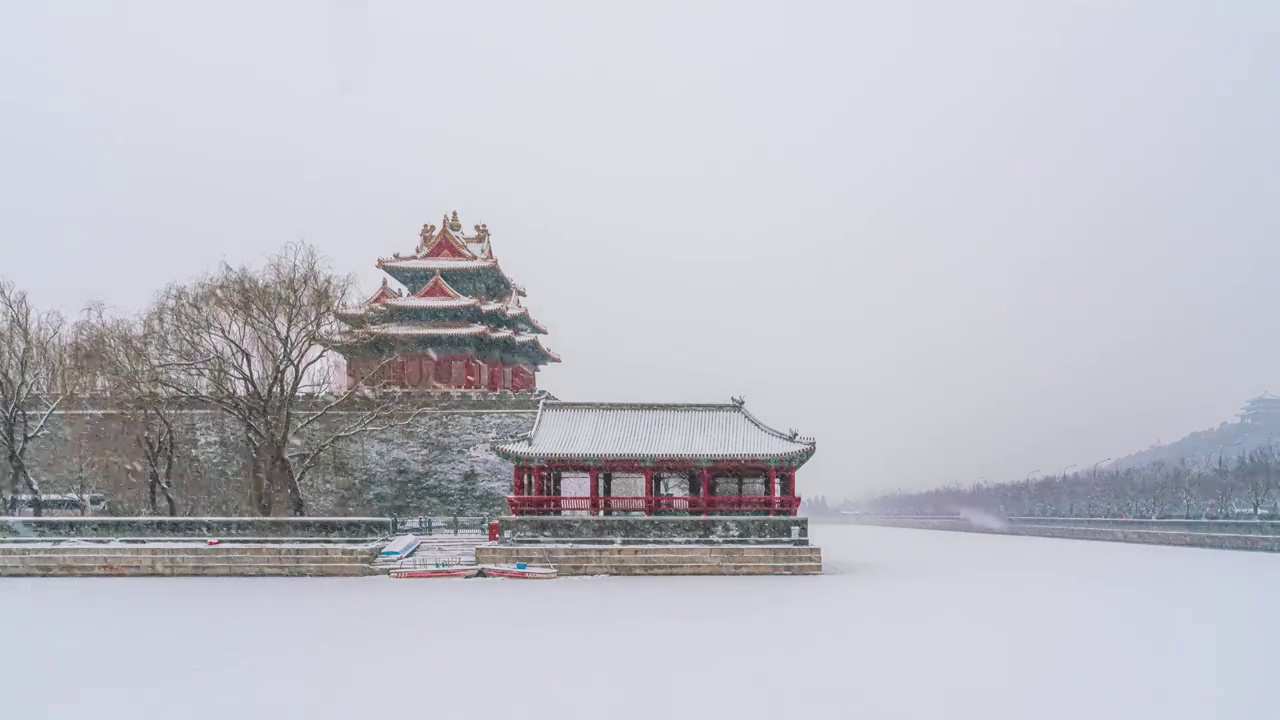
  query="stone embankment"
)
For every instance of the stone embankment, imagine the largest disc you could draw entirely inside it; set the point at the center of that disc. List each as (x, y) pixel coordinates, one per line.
(660, 559)
(621, 545)
(1215, 534)
(78, 559)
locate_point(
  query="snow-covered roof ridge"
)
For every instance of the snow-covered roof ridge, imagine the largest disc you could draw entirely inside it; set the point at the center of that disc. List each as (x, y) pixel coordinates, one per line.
(587, 430)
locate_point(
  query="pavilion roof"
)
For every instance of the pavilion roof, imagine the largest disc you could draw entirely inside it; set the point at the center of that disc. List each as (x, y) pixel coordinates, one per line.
(435, 294)
(623, 431)
(407, 330)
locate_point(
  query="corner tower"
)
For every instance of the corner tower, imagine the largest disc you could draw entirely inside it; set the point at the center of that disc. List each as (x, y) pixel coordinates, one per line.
(461, 326)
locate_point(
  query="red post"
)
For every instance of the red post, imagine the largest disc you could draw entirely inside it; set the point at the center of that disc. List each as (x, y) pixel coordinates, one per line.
(537, 482)
(648, 491)
(595, 490)
(515, 480)
(791, 486)
(773, 488)
(706, 490)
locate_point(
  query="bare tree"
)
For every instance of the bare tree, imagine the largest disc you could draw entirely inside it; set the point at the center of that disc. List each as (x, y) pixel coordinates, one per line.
(118, 359)
(1257, 473)
(252, 342)
(32, 384)
(1185, 480)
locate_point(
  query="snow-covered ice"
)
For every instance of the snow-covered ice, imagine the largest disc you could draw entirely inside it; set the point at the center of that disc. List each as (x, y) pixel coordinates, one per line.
(905, 624)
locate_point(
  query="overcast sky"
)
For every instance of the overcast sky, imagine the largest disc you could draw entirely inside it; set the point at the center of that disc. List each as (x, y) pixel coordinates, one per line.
(950, 240)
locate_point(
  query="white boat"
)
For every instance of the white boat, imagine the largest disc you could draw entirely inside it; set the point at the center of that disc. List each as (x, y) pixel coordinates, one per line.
(456, 571)
(522, 573)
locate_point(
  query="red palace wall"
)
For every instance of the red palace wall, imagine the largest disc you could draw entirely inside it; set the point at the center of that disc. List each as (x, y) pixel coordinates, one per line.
(449, 372)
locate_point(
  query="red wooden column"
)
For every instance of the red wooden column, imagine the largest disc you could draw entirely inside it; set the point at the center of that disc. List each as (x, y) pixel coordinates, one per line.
(706, 490)
(773, 489)
(515, 479)
(791, 488)
(595, 490)
(648, 491)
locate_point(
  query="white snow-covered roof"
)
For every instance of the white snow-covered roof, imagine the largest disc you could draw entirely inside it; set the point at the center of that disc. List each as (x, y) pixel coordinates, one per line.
(414, 301)
(567, 431)
(436, 263)
(423, 329)
(427, 329)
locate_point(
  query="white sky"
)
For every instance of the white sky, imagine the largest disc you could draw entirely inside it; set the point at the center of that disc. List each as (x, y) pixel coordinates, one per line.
(950, 240)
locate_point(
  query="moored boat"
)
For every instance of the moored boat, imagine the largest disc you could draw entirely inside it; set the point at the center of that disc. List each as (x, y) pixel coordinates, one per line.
(519, 571)
(437, 572)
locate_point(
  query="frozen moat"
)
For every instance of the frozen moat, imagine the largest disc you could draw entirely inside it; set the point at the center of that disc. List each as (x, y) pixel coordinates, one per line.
(905, 624)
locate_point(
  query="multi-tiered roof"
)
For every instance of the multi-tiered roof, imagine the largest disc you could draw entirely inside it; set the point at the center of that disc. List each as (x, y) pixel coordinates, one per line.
(1263, 409)
(460, 303)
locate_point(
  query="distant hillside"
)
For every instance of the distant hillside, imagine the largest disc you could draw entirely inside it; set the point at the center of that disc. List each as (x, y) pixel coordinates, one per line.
(1258, 425)
(1179, 480)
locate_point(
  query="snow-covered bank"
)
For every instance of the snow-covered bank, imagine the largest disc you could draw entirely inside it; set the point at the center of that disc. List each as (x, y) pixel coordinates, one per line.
(1210, 535)
(905, 624)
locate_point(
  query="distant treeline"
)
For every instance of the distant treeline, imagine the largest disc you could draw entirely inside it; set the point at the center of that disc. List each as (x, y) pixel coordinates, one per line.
(1246, 485)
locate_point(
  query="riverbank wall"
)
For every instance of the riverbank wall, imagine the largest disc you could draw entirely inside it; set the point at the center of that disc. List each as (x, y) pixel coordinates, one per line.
(1260, 536)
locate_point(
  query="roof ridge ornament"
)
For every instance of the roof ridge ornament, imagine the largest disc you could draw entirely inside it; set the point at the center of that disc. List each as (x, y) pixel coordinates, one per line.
(428, 232)
(740, 400)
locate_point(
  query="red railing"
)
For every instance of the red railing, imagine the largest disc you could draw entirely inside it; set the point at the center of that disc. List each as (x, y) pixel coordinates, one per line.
(722, 505)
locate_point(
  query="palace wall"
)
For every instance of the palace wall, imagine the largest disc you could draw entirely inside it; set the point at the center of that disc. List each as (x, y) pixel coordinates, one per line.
(440, 463)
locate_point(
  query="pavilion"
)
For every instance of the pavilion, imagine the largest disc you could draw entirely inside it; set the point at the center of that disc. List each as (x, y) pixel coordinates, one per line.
(653, 459)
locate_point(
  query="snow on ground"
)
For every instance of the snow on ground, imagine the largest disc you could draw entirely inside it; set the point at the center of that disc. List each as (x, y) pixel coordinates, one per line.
(906, 624)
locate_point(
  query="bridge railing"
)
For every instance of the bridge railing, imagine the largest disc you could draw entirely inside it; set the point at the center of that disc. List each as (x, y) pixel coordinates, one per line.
(443, 525)
(335, 528)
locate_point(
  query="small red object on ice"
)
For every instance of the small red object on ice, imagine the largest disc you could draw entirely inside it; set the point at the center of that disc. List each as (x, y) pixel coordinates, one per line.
(211, 541)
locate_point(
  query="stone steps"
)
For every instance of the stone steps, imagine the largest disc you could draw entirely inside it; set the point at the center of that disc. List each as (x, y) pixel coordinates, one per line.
(451, 548)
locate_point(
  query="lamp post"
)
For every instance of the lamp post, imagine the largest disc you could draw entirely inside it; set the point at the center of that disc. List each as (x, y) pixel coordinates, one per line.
(1096, 489)
(1071, 503)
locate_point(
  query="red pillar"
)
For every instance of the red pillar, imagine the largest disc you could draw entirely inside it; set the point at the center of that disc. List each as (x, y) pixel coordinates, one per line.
(706, 490)
(773, 488)
(595, 490)
(648, 491)
(517, 477)
(791, 486)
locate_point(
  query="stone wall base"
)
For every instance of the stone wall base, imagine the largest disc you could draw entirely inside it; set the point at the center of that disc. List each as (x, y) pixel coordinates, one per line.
(660, 559)
(186, 560)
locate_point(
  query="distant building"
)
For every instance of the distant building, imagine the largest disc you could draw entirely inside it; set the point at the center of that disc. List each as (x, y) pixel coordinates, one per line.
(1264, 409)
(462, 326)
